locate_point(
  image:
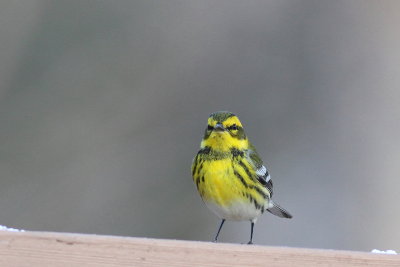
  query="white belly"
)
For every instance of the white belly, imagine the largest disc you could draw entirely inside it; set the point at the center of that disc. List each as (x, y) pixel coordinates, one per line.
(236, 211)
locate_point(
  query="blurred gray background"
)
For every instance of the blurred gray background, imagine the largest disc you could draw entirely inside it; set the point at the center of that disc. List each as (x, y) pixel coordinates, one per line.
(103, 105)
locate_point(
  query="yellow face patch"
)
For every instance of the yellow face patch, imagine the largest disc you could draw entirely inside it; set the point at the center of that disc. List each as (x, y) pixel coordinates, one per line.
(232, 121)
(225, 140)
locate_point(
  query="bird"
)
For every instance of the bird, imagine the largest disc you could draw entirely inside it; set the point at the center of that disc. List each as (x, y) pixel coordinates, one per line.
(230, 176)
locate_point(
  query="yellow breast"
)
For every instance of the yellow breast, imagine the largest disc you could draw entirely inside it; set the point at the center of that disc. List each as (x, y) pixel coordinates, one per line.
(225, 194)
(219, 184)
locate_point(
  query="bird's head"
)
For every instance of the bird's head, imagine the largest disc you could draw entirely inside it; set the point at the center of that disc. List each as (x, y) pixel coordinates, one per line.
(224, 132)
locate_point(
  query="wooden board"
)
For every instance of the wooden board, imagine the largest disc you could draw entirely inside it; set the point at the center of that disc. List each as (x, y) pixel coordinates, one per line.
(61, 249)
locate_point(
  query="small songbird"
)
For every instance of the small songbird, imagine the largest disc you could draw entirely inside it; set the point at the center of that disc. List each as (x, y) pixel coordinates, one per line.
(230, 175)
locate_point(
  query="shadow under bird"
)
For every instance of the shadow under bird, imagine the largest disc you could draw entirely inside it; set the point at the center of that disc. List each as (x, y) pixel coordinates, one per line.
(230, 175)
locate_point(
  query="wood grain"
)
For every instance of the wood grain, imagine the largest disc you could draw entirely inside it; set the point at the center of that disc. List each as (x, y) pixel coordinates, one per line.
(61, 249)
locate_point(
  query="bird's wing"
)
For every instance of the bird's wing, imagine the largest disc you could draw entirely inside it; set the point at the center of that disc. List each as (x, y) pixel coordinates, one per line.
(261, 170)
(265, 179)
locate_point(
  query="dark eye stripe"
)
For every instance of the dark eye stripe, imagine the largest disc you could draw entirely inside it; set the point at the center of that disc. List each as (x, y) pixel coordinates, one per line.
(233, 127)
(237, 133)
(209, 127)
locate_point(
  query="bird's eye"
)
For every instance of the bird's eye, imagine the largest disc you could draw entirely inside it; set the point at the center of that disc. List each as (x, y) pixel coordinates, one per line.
(233, 127)
(210, 128)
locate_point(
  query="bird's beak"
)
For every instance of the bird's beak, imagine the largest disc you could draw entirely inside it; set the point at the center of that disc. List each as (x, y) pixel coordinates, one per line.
(219, 127)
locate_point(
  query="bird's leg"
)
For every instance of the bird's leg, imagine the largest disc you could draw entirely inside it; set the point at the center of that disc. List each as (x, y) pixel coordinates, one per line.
(219, 229)
(251, 234)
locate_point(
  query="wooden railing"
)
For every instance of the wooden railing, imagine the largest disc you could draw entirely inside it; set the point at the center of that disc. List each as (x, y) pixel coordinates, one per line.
(60, 249)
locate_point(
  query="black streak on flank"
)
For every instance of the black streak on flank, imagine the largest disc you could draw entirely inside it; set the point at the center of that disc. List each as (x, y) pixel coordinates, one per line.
(241, 163)
(195, 166)
(259, 191)
(241, 179)
(252, 200)
(200, 167)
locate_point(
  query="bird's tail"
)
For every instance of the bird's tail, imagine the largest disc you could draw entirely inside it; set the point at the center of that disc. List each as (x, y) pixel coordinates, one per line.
(278, 210)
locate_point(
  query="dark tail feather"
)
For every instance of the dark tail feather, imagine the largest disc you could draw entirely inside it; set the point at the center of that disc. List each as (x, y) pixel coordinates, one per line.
(278, 211)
